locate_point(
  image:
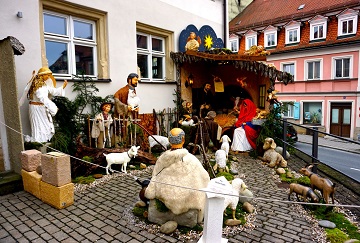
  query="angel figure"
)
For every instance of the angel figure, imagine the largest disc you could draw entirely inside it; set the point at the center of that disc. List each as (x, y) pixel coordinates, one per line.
(193, 42)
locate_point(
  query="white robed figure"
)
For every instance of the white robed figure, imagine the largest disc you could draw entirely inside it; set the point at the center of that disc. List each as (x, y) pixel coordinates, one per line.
(41, 108)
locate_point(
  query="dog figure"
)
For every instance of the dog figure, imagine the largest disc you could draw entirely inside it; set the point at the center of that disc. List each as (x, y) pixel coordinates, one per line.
(304, 191)
(271, 156)
(120, 158)
(225, 140)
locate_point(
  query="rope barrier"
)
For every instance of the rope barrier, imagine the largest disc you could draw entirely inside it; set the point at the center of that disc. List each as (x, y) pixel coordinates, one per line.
(200, 190)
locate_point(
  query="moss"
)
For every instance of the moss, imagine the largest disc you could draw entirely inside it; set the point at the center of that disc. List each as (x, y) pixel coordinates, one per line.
(228, 176)
(303, 180)
(84, 180)
(288, 180)
(335, 235)
(88, 159)
(139, 212)
(160, 206)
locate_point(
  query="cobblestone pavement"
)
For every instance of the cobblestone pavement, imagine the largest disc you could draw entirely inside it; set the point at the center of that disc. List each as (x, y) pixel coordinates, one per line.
(101, 213)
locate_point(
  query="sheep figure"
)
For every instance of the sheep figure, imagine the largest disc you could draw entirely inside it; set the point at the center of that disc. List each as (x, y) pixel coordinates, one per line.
(304, 191)
(220, 159)
(164, 141)
(271, 156)
(120, 158)
(225, 140)
(324, 185)
(232, 200)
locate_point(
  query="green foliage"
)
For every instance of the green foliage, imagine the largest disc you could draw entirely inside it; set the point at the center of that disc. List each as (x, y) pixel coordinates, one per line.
(239, 214)
(160, 206)
(335, 236)
(228, 176)
(84, 180)
(32, 145)
(88, 159)
(70, 120)
(283, 178)
(184, 230)
(304, 180)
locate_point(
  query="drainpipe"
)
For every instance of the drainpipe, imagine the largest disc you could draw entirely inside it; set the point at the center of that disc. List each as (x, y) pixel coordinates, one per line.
(226, 24)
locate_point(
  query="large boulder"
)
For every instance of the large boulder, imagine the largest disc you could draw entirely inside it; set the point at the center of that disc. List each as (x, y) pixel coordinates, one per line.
(176, 180)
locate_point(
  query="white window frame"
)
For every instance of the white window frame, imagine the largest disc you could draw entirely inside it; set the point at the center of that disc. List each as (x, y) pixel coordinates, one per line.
(266, 34)
(251, 35)
(294, 26)
(351, 57)
(151, 53)
(282, 64)
(317, 22)
(348, 16)
(306, 65)
(290, 112)
(71, 41)
(234, 42)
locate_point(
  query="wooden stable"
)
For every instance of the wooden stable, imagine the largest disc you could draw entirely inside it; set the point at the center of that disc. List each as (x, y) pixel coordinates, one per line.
(259, 78)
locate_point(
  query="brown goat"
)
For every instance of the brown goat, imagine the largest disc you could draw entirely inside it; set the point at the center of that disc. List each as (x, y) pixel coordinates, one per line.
(324, 185)
(304, 191)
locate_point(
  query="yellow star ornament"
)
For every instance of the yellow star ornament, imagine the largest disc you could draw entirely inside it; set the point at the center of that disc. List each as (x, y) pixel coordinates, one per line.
(208, 42)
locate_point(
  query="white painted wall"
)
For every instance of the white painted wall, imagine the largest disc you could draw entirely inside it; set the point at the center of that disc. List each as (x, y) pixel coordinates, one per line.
(172, 15)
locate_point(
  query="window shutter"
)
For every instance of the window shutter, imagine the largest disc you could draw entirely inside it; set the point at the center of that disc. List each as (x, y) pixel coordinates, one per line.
(296, 110)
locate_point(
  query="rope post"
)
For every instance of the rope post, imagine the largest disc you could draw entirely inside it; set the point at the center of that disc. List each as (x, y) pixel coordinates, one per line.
(315, 147)
(285, 124)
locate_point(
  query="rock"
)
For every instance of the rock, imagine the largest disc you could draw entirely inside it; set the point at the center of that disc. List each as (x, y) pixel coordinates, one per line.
(327, 224)
(234, 159)
(132, 166)
(169, 227)
(234, 172)
(232, 222)
(280, 171)
(289, 175)
(98, 176)
(280, 150)
(249, 208)
(188, 219)
(142, 166)
(352, 241)
(246, 196)
(140, 204)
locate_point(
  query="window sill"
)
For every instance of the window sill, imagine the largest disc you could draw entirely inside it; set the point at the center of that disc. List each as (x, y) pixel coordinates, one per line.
(317, 40)
(157, 81)
(292, 44)
(346, 36)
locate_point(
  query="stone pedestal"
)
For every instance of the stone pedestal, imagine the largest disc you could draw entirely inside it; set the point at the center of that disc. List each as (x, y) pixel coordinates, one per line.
(30, 159)
(56, 168)
(31, 181)
(58, 197)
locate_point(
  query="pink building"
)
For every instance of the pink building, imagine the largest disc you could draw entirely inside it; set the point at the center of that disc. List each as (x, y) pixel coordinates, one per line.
(317, 42)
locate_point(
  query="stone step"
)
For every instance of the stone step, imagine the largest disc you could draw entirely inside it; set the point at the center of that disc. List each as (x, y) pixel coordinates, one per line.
(10, 182)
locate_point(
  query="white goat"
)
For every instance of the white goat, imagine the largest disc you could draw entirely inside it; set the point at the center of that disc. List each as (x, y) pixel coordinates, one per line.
(164, 141)
(225, 140)
(120, 158)
(238, 186)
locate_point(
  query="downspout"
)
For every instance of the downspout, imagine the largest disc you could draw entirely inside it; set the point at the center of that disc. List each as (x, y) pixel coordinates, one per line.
(226, 24)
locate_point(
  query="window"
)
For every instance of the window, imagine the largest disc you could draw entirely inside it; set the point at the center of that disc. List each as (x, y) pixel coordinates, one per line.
(262, 96)
(347, 22)
(270, 39)
(292, 36)
(234, 45)
(289, 68)
(292, 33)
(313, 70)
(342, 67)
(318, 28)
(70, 44)
(312, 113)
(289, 109)
(251, 40)
(151, 56)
